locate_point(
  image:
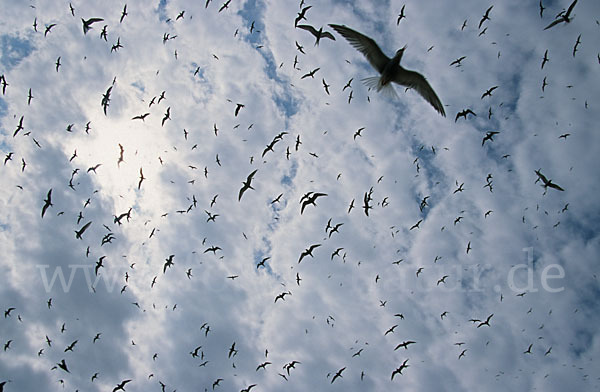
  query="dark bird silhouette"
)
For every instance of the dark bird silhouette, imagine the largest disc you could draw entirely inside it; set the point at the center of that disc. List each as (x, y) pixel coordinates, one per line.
(246, 184)
(121, 386)
(457, 62)
(485, 17)
(47, 202)
(225, 5)
(464, 113)
(486, 322)
(545, 59)
(87, 24)
(399, 369)
(390, 69)
(123, 14)
(563, 16)
(317, 33)
(528, 351)
(19, 126)
(79, 233)
(489, 136)
(141, 117)
(71, 346)
(57, 64)
(7, 312)
(63, 365)
(167, 116)
(337, 374)
(142, 178)
(546, 182)
(310, 198)
(237, 108)
(488, 92)
(49, 28)
(401, 15)
(106, 99)
(308, 252)
(576, 44)
(404, 344)
(263, 365)
(311, 73)
(301, 15)
(169, 263)
(462, 354)
(416, 225)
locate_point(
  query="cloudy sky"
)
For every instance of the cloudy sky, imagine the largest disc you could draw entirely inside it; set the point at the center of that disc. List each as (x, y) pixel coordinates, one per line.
(464, 252)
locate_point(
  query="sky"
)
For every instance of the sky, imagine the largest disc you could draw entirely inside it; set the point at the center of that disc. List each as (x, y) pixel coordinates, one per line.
(466, 273)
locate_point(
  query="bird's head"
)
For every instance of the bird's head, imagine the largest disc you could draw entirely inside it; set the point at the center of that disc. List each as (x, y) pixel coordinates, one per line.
(400, 52)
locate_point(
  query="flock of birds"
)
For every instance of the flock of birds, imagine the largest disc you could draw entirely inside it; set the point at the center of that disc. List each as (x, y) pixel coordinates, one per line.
(389, 72)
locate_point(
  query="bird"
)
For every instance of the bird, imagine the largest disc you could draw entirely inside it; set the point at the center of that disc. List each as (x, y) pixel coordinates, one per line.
(528, 351)
(47, 202)
(169, 263)
(20, 125)
(121, 386)
(308, 252)
(141, 117)
(311, 73)
(246, 184)
(489, 136)
(237, 108)
(486, 322)
(463, 113)
(485, 17)
(48, 28)
(562, 17)
(404, 344)
(545, 59)
(225, 5)
(301, 15)
(338, 374)
(63, 365)
(87, 24)
(390, 69)
(462, 354)
(317, 33)
(458, 61)
(488, 92)
(310, 199)
(401, 15)
(546, 182)
(142, 178)
(79, 233)
(400, 368)
(123, 14)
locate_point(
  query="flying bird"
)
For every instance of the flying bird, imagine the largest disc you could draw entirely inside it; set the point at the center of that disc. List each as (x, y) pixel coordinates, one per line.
(246, 184)
(463, 113)
(121, 386)
(308, 252)
(390, 69)
(486, 16)
(317, 33)
(47, 202)
(87, 24)
(563, 16)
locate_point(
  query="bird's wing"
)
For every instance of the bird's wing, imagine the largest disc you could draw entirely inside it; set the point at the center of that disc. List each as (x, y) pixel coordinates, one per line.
(554, 23)
(367, 46)
(571, 8)
(312, 30)
(327, 34)
(418, 82)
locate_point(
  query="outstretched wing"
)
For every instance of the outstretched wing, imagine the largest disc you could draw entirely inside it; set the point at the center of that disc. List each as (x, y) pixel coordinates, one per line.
(418, 82)
(367, 46)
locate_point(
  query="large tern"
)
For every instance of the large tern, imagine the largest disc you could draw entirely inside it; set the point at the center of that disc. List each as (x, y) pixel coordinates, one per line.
(390, 69)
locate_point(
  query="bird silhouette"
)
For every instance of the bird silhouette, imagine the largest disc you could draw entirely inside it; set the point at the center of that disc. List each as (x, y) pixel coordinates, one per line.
(317, 33)
(390, 69)
(87, 24)
(308, 252)
(47, 202)
(246, 184)
(563, 17)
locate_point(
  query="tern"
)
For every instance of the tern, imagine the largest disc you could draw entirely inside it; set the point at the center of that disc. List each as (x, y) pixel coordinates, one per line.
(390, 69)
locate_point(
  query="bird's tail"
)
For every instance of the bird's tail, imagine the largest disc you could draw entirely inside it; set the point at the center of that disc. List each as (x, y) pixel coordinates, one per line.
(374, 83)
